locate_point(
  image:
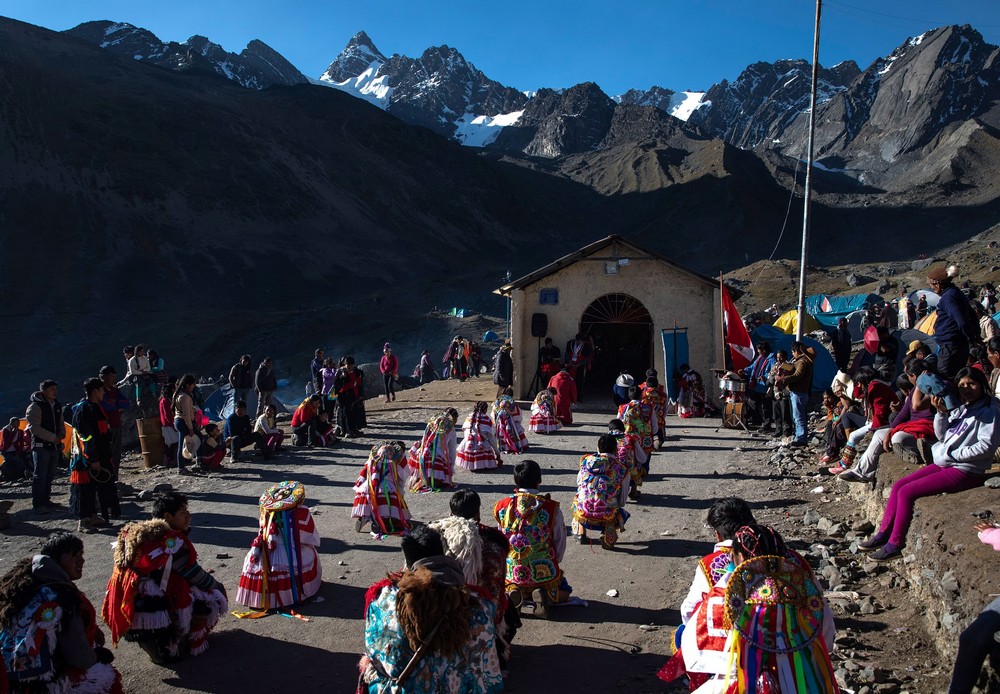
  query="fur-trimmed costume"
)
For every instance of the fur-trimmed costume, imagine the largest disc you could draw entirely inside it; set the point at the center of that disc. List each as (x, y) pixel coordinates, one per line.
(51, 644)
(158, 595)
(599, 503)
(378, 493)
(507, 425)
(432, 458)
(478, 450)
(543, 413)
(282, 567)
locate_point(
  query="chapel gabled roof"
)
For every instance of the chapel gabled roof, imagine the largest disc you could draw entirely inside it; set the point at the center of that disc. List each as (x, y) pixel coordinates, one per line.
(616, 244)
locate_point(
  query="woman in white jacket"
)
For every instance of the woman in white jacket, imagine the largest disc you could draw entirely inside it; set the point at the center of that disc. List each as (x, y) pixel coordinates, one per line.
(968, 436)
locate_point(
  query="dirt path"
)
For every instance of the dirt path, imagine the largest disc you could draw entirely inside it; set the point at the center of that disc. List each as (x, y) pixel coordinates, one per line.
(600, 647)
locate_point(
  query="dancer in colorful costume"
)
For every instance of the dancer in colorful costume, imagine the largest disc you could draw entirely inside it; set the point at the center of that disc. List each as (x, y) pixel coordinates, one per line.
(543, 413)
(282, 567)
(640, 424)
(653, 394)
(378, 493)
(482, 552)
(691, 399)
(507, 423)
(627, 445)
(701, 619)
(49, 637)
(426, 631)
(600, 502)
(432, 458)
(478, 450)
(533, 525)
(158, 595)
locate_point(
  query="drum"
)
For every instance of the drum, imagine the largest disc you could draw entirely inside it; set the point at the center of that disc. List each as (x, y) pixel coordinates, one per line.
(734, 415)
(732, 385)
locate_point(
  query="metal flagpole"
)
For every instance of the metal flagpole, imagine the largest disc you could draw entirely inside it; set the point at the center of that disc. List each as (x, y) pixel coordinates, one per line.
(807, 193)
(722, 321)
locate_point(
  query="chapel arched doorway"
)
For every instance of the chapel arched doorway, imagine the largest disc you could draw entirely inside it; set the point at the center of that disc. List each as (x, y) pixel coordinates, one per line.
(622, 332)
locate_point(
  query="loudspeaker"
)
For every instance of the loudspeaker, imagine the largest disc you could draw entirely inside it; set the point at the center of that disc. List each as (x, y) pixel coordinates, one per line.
(539, 325)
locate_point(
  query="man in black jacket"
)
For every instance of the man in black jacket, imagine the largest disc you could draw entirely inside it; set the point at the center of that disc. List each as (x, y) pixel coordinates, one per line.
(92, 472)
(265, 383)
(45, 424)
(241, 378)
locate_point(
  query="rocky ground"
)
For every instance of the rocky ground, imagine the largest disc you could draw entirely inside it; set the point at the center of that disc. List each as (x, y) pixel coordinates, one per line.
(618, 641)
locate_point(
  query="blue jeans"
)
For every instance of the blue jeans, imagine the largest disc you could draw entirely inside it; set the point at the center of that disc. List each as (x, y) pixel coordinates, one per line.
(45, 460)
(800, 401)
(181, 426)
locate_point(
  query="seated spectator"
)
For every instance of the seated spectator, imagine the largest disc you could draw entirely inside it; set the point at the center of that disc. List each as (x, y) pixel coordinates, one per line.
(885, 355)
(50, 639)
(267, 433)
(166, 615)
(15, 446)
(834, 434)
(878, 399)
(977, 641)
(238, 431)
(533, 564)
(425, 624)
(993, 355)
(988, 328)
(968, 438)
(913, 422)
(305, 421)
(213, 448)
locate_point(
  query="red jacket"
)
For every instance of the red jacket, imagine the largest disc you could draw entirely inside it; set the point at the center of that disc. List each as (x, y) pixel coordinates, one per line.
(303, 413)
(18, 440)
(881, 398)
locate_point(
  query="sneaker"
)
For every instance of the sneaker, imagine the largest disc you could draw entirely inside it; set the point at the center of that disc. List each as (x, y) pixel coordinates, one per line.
(872, 543)
(887, 552)
(541, 601)
(184, 471)
(851, 476)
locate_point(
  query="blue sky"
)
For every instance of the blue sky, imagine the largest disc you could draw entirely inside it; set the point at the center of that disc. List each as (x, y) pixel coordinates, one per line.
(679, 44)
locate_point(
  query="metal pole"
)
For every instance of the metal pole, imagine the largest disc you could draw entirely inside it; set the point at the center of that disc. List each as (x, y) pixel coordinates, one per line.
(508, 306)
(807, 193)
(722, 322)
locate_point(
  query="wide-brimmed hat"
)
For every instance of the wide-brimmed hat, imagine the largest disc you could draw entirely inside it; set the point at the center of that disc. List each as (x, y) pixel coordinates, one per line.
(190, 447)
(625, 381)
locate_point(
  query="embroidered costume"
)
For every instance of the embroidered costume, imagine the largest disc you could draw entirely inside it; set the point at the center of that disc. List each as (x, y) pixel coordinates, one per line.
(158, 595)
(691, 399)
(478, 450)
(543, 413)
(599, 503)
(507, 425)
(282, 567)
(638, 420)
(32, 644)
(432, 458)
(378, 493)
(533, 525)
(656, 398)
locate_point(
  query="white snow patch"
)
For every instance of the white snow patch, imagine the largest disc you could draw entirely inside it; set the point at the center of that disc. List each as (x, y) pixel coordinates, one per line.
(530, 93)
(683, 104)
(479, 131)
(369, 85)
(917, 40)
(120, 26)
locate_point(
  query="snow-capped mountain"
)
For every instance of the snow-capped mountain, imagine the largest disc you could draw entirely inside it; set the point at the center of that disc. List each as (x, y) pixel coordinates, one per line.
(766, 97)
(440, 90)
(256, 67)
(680, 105)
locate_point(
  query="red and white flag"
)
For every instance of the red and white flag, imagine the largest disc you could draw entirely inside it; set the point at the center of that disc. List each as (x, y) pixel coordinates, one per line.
(741, 350)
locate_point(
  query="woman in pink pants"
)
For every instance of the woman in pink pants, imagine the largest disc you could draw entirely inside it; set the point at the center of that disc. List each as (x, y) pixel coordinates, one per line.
(968, 437)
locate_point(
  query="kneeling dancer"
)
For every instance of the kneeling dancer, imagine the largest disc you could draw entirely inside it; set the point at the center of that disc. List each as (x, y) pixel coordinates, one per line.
(158, 595)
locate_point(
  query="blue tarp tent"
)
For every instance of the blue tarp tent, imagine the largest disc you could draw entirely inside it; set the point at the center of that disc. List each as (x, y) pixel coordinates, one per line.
(839, 306)
(824, 368)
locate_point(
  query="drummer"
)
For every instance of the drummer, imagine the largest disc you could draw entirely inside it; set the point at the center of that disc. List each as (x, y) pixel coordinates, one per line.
(756, 375)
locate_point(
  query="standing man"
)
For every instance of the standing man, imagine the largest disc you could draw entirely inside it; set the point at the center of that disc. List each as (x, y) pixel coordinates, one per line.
(799, 383)
(842, 343)
(265, 383)
(114, 403)
(45, 424)
(577, 359)
(241, 379)
(566, 394)
(955, 324)
(92, 473)
(756, 375)
(315, 367)
(503, 370)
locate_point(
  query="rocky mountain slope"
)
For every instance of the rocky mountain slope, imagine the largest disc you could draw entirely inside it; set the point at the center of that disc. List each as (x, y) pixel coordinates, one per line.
(256, 67)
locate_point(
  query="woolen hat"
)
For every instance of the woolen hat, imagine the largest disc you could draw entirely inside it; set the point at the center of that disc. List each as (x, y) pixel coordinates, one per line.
(939, 273)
